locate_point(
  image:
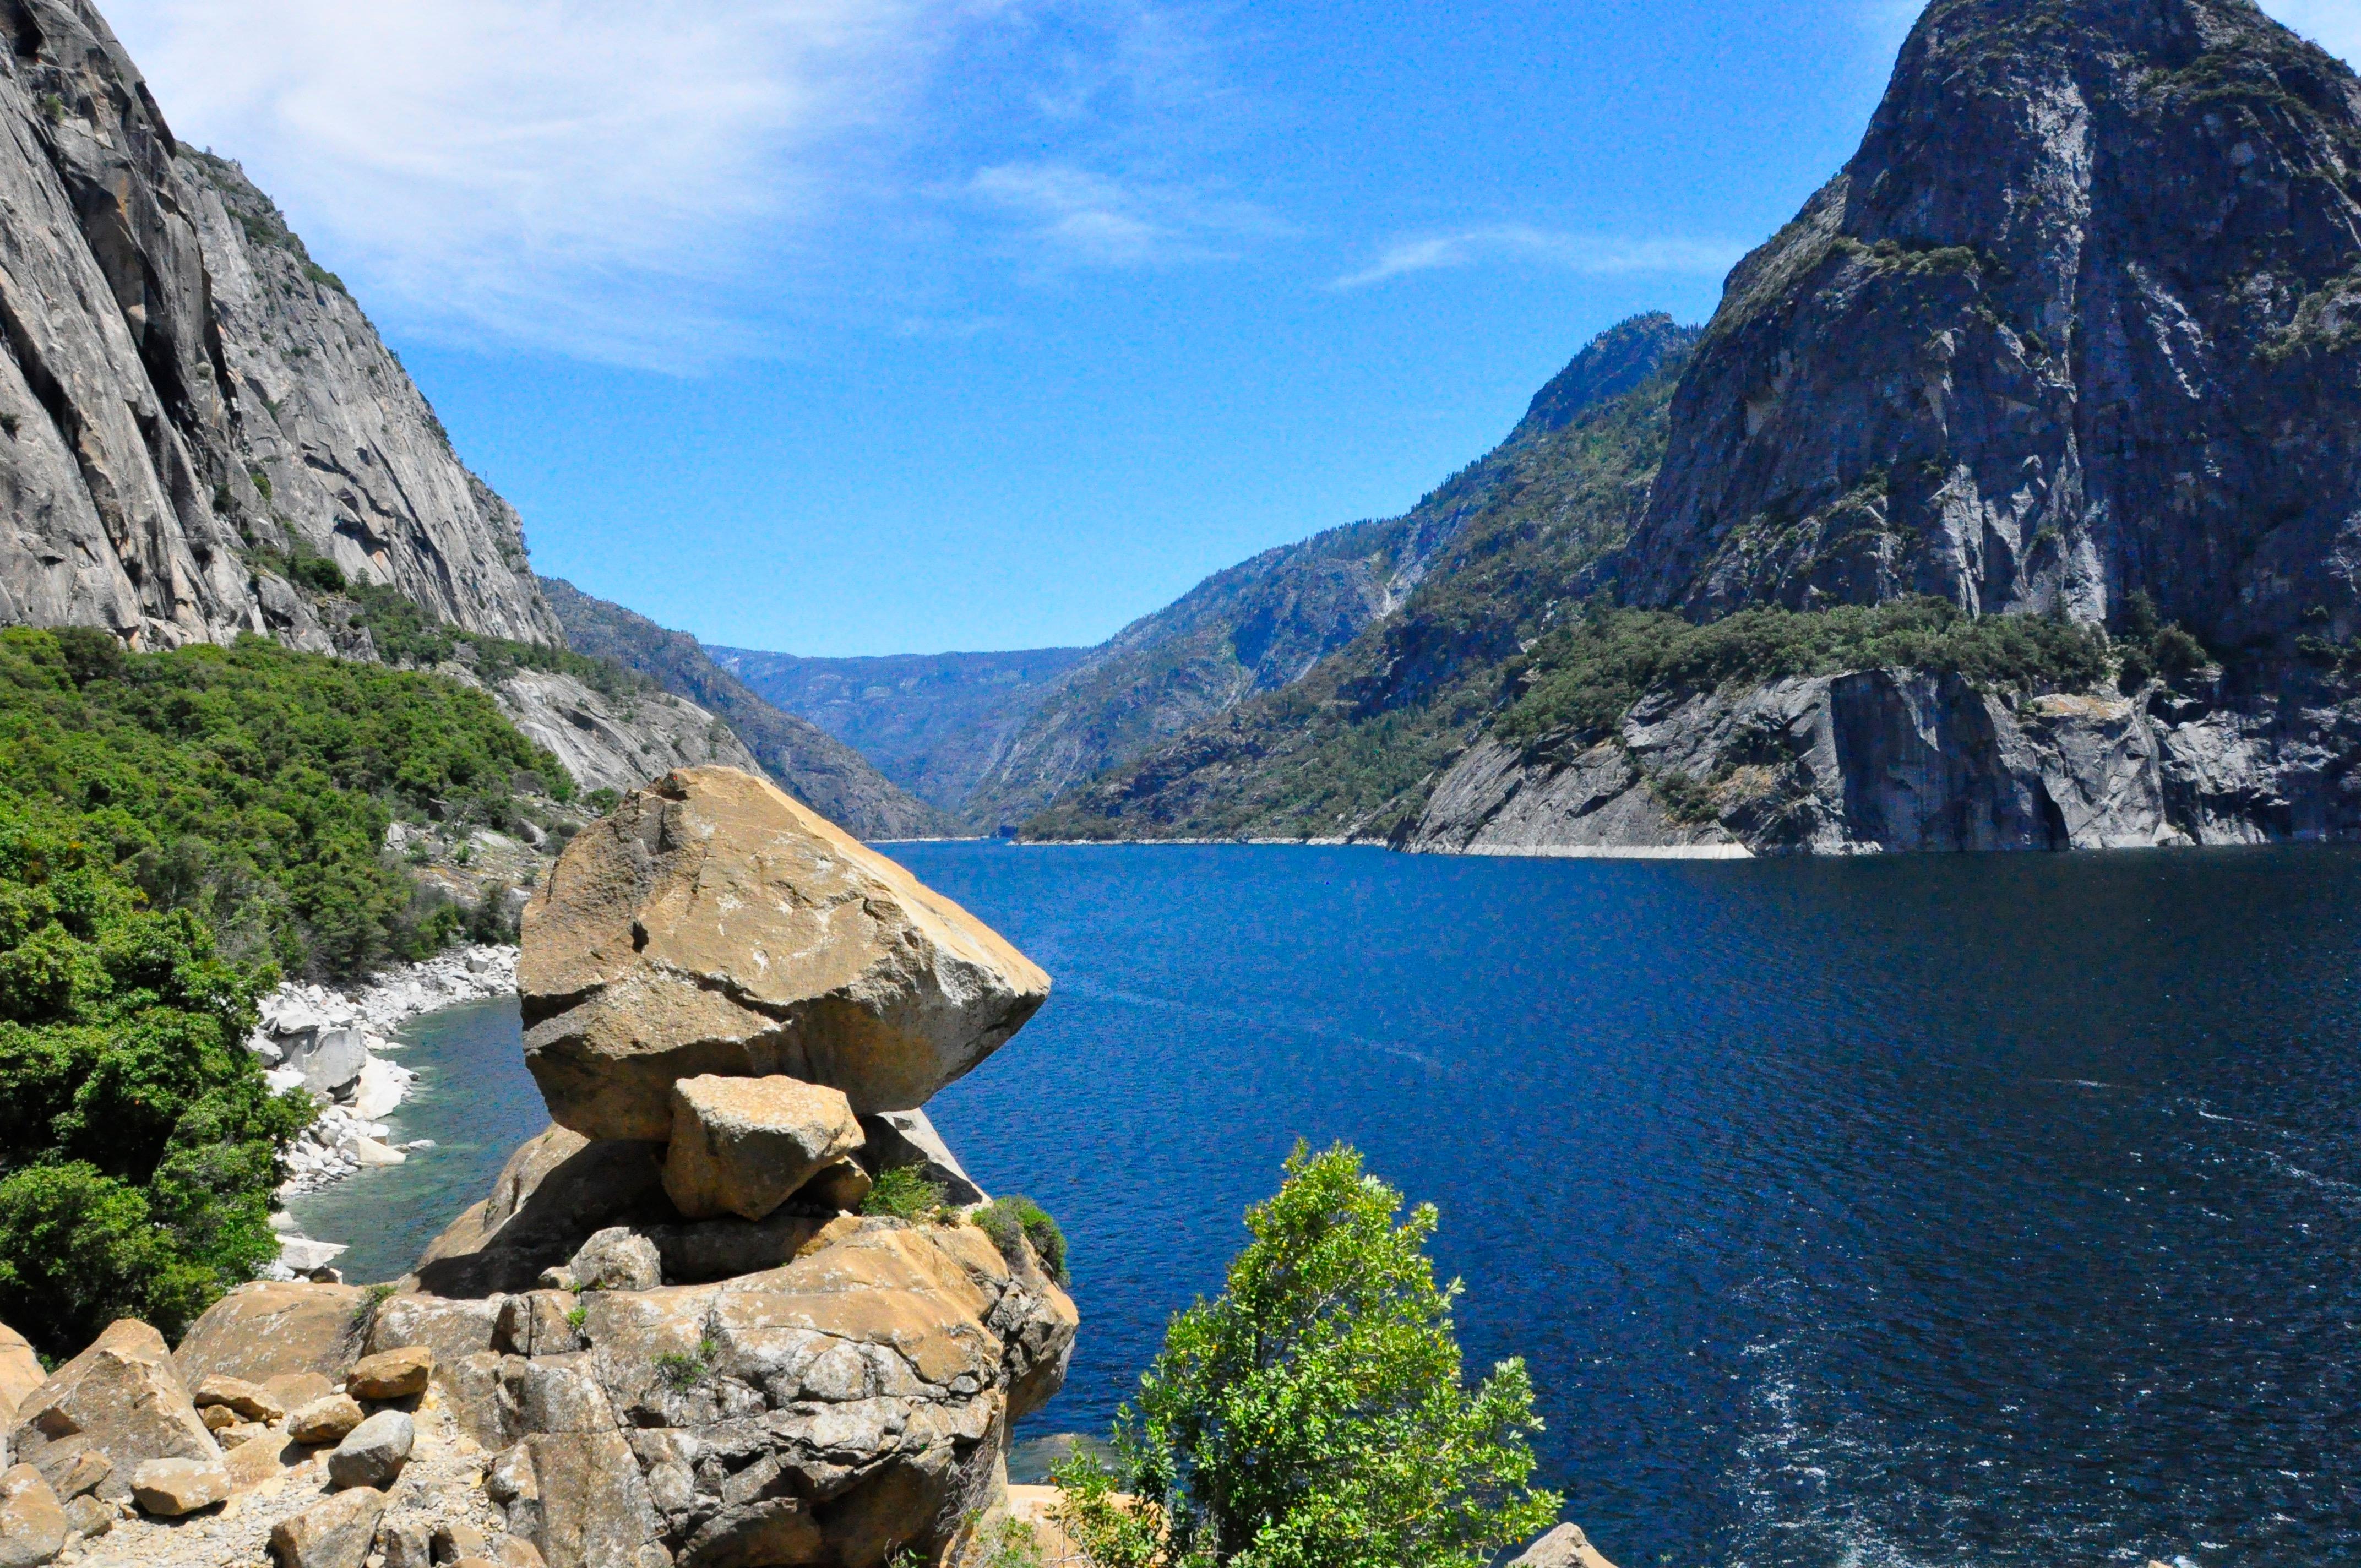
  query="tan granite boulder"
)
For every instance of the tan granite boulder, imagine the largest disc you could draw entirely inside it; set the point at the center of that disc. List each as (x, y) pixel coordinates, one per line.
(1564, 1547)
(324, 1420)
(555, 1191)
(392, 1374)
(272, 1328)
(120, 1400)
(20, 1373)
(710, 925)
(168, 1488)
(336, 1533)
(744, 1145)
(33, 1523)
(249, 1401)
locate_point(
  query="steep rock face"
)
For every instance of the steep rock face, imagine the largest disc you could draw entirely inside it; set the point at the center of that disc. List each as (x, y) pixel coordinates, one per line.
(814, 767)
(1896, 760)
(2081, 319)
(149, 315)
(618, 742)
(1349, 749)
(1258, 627)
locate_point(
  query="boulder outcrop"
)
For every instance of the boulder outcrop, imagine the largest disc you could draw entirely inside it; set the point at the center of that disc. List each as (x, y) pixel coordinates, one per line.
(20, 1373)
(33, 1524)
(712, 924)
(107, 1411)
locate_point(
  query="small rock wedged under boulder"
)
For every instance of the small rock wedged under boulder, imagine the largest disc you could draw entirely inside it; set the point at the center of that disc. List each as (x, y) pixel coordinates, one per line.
(557, 1190)
(120, 1402)
(248, 1401)
(744, 1145)
(169, 1488)
(275, 1327)
(712, 924)
(33, 1523)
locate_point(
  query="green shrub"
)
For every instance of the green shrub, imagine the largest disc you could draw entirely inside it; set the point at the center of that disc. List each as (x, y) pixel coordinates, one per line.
(317, 573)
(903, 1192)
(1585, 677)
(1005, 1219)
(1313, 1414)
(138, 1143)
(683, 1370)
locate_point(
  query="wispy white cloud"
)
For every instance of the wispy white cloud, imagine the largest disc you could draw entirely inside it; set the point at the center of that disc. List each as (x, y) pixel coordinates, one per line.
(2333, 25)
(1069, 216)
(505, 165)
(1591, 254)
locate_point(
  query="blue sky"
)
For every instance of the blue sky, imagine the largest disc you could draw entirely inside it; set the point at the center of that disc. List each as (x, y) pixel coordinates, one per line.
(870, 326)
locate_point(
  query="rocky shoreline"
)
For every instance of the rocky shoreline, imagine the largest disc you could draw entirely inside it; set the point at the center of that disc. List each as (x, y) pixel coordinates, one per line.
(336, 1045)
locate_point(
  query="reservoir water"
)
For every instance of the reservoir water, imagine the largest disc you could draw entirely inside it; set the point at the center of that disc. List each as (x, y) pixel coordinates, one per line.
(1918, 1210)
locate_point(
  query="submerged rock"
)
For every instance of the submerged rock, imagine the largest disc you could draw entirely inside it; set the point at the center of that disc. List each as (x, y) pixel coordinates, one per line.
(712, 925)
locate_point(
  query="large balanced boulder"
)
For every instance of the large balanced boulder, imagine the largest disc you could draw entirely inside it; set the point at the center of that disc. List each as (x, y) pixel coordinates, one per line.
(712, 924)
(1564, 1547)
(119, 1402)
(744, 1145)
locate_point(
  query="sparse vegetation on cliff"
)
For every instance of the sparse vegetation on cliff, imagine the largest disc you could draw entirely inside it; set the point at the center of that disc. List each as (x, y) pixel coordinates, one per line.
(1586, 676)
(1313, 1414)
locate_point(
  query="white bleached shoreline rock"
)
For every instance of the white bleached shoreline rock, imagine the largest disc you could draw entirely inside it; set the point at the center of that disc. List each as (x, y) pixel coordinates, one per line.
(337, 1047)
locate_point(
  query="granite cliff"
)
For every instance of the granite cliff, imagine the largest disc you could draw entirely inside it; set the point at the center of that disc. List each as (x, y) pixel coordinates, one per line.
(2072, 337)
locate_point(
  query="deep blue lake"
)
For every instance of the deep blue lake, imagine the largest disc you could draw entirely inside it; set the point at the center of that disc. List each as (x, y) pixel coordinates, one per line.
(1915, 1210)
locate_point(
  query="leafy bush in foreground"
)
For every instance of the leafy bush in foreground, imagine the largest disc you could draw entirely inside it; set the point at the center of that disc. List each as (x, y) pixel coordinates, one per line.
(138, 1140)
(903, 1192)
(1312, 1416)
(1586, 676)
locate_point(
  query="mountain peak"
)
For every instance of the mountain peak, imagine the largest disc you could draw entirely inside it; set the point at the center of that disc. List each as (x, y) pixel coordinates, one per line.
(2081, 319)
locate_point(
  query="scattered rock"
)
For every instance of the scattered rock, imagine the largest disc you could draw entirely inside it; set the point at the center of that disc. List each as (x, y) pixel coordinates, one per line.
(336, 1533)
(239, 1436)
(744, 1146)
(33, 1524)
(268, 1454)
(617, 1258)
(249, 1400)
(271, 1328)
(84, 1475)
(375, 1453)
(172, 1487)
(297, 1389)
(407, 1543)
(1564, 1547)
(121, 1398)
(710, 924)
(457, 1539)
(87, 1517)
(391, 1374)
(330, 1419)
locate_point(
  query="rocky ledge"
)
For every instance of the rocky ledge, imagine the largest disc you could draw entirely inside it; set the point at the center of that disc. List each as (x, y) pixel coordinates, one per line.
(667, 1337)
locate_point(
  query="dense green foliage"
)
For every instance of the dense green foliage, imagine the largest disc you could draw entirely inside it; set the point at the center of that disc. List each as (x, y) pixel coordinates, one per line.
(1586, 676)
(1313, 1414)
(252, 787)
(404, 636)
(137, 1140)
(1005, 1219)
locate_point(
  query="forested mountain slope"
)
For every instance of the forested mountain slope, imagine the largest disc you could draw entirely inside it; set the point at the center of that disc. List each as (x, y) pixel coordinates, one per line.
(1348, 749)
(818, 768)
(933, 723)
